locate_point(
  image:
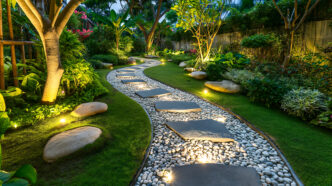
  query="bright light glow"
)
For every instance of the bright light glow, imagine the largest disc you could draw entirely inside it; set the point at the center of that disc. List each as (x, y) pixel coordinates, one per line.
(15, 126)
(134, 63)
(62, 120)
(203, 159)
(206, 91)
(142, 60)
(222, 119)
(168, 177)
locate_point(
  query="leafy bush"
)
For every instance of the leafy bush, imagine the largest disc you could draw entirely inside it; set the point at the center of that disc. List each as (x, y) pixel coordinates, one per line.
(70, 47)
(267, 91)
(304, 103)
(24, 176)
(2, 104)
(95, 63)
(232, 60)
(4, 123)
(126, 44)
(31, 83)
(258, 41)
(178, 58)
(215, 70)
(324, 119)
(101, 40)
(139, 46)
(242, 76)
(107, 58)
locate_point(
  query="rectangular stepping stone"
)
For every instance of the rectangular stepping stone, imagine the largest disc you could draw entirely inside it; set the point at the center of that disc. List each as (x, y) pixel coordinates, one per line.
(125, 71)
(201, 130)
(153, 93)
(133, 81)
(126, 75)
(177, 106)
(214, 175)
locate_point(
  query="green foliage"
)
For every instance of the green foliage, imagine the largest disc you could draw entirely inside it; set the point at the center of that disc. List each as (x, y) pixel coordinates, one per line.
(31, 83)
(180, 58)
(258, 41)
(267, 91)
(126, 44)
(138, 45)
(101, 40)
(2, 104)
(324, 119)
(304, 103)
(95, 63)
(70, 47)
(242, 76)
(24, 176)
(232, 60)
(4, 124)
(107, 58)
(214, 70)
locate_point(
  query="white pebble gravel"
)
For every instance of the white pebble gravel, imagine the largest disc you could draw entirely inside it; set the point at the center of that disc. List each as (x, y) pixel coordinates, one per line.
(169, 150)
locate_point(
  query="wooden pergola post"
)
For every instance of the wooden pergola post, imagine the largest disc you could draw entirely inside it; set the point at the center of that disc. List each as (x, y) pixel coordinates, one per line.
(12, 47)
(2, 65)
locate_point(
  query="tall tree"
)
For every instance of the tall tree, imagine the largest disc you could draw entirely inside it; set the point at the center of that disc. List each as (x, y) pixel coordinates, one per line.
(147, 15)
(50, 21)
(293, 21)
(203, 18)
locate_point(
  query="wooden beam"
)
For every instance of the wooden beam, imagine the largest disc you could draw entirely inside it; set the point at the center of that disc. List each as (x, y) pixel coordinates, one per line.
(7, 42)
(12, 47)
(23, 58)
(2, 65)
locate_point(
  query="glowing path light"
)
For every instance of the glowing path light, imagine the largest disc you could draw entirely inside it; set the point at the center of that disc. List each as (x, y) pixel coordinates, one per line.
(63, 120)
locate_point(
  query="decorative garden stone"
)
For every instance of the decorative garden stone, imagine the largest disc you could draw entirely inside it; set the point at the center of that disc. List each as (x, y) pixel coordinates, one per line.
(108, 65)
(177, 106)
(70, 141)
(126, 75)
(183, 64)
(131, 61)
(214, 175)
(125, 71)
(89, 109)
(201, 130)
(223, 86)
(198, 75)
(189, 69)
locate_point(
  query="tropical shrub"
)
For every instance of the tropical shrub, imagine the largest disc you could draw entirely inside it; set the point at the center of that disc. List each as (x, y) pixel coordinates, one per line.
(304, 103)
(257, 41)
(95, 63)
(242, 76)
(232, 60)
(126, 44)
(2, 104)
(70, 47)
(100, 41)
(215, 70)
(267, 91)
(178, 58)
(24, 176)
(324, 120)
(4, 123)
(106, 58)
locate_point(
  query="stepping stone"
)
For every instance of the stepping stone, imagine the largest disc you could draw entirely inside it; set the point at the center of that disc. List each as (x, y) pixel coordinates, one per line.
(133, 81)
(201, 130)
(126, 75)
(89, 109)
(177, 106)
(153, 93)
(70, 141)
(183, 64)
(214, 175)
(198, 75)
(125, 71)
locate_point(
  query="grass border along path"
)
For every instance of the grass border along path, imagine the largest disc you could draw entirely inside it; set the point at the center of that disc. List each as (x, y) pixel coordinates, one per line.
(307, 148)
(115, 163)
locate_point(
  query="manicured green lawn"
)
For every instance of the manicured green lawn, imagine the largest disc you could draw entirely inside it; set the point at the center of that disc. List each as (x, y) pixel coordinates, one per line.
(113, 163)
(306, 147)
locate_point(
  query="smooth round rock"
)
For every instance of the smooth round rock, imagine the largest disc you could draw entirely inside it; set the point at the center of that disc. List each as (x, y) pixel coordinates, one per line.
(131, 60)
(108, 65)
(198, 75)
(223, 86)
(89, 109)
(189, 69)
(183, 64)
(70, 141)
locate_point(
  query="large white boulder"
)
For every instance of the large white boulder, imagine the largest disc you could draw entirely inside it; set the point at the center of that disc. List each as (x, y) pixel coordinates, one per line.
(70, 141)
(183, 64)
(223, 86)
(89, 109)
(198, 75)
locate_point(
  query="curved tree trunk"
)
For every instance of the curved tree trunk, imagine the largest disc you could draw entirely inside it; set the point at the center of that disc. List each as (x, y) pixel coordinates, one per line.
(54, 69)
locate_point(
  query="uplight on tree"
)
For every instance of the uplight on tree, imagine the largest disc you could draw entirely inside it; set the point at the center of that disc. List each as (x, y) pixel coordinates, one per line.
(203, 18)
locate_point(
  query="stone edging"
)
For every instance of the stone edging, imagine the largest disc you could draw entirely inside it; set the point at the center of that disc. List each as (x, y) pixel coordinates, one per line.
(266, 137)
(139, 171)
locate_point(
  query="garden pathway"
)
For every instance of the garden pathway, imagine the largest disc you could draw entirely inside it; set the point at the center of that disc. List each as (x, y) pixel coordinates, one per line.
(184, 126)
